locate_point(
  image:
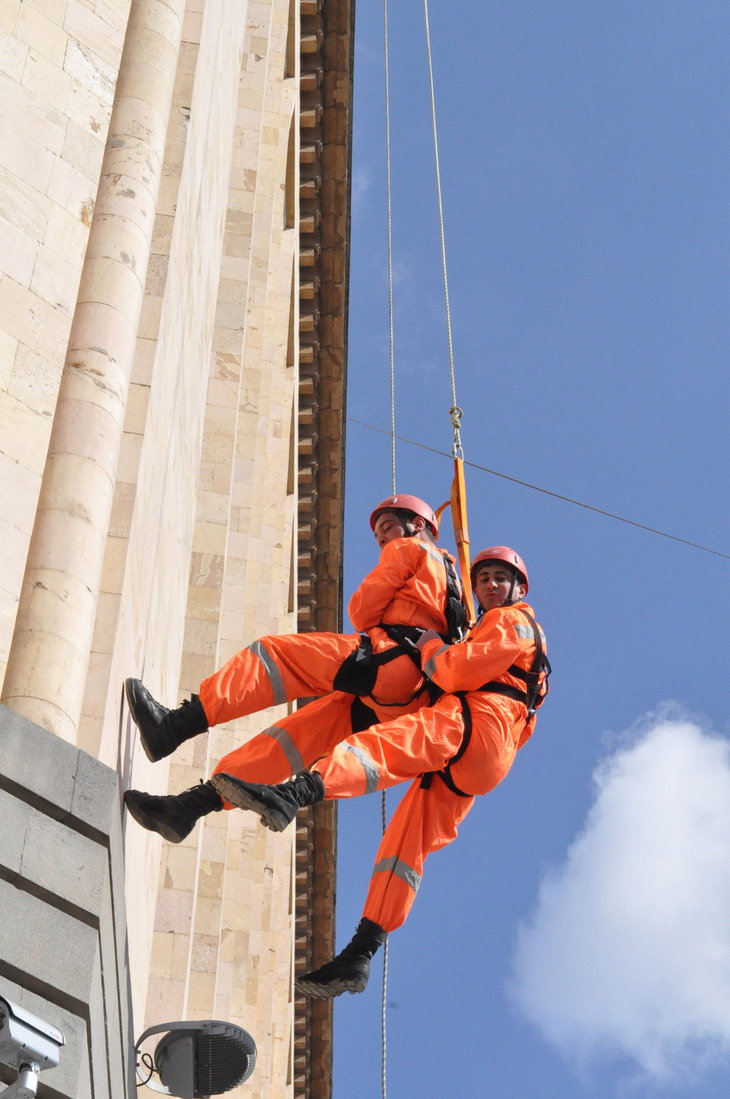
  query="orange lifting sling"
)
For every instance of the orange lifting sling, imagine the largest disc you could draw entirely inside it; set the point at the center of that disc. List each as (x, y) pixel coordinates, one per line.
(461, 532)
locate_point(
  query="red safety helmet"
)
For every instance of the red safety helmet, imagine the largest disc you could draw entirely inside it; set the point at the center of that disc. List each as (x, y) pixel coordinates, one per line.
(407, 503)
(500, 553)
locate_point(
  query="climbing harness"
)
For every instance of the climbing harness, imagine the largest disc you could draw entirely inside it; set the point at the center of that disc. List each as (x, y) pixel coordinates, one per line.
(358, 673)
(456, 615)
(445, 774)
(532, 697)
(534, 679)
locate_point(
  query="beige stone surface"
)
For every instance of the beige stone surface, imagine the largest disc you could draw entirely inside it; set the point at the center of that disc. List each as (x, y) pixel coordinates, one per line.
(42, 33)
(47, 80)
(201, 537)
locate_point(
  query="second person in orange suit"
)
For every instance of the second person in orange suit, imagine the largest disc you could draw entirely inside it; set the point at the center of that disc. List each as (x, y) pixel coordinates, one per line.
(461, 747)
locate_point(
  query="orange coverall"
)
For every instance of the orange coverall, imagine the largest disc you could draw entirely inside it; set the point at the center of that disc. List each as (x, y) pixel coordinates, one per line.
(407, 588)
(429, 815)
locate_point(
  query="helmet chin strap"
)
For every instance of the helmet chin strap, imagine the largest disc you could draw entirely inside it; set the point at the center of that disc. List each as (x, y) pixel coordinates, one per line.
(408, 527)
(509, 600)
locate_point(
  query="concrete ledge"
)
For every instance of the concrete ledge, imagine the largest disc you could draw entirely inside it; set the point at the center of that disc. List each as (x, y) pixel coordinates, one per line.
(63, 943)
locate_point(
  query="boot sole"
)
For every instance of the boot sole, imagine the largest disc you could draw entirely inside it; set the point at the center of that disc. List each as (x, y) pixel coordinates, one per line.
(333, 988)
(147, 741)
(152, 823)
(229, 789)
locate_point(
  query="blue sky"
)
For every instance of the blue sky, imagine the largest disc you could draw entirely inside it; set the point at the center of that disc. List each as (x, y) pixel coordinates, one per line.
(575, 940)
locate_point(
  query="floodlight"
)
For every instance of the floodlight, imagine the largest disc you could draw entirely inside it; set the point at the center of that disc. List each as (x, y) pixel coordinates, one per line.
(27, 1044)
(197, 1059)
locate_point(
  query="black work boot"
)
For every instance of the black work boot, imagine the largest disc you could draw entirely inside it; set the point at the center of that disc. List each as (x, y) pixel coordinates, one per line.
(175, 815)
(350, 969)
(161, 730)
(276, 805)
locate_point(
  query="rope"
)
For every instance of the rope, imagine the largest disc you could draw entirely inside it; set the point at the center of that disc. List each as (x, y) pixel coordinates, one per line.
(549, 492)
(385, 974)
(383, 1035)
(390, 245)
(454, 412)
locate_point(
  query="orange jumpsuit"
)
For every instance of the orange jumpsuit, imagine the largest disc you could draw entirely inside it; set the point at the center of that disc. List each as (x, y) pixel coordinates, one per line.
(407, 588)
(414, 745)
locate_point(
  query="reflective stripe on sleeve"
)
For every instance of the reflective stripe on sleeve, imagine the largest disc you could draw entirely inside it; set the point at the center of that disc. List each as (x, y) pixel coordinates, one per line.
(371, 771)
(287, 746)
(394, 865)
(430, 666)
(432, 551)
(277, 684)
(523, 629)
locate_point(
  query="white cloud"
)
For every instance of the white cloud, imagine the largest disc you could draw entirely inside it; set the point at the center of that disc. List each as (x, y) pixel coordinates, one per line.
(627, 953)
(361, 184)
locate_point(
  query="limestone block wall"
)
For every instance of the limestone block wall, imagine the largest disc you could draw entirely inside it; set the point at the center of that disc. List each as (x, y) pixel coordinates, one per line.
(204, 520)
(200, 555)
(58, 68)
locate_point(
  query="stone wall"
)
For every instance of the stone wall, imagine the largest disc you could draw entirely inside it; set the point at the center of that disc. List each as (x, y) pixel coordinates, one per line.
(63, 943)
(206, 531)
(58, 69)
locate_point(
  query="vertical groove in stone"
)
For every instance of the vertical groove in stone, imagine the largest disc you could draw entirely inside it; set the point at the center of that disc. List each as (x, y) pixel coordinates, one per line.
(49, 655)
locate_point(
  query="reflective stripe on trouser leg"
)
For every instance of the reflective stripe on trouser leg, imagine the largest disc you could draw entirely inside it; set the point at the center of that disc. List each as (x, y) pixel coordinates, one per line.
(396, 866)
(277, 684)
(292, 743)
(348, 771)
(424, 821)
(273, 670)
(371, 771)
(397, 751)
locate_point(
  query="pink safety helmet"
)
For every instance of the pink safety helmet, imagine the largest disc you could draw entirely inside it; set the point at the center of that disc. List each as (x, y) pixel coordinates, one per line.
(500, 553)
(407, 503)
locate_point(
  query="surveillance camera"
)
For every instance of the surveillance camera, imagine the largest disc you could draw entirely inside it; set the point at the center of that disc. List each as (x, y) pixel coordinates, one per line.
(27, 1040)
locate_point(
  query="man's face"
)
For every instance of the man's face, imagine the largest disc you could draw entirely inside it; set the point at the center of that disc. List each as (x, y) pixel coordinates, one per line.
(492, 585)
(388, 526)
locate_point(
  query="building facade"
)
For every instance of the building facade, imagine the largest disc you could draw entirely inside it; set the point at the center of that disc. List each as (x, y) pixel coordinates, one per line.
(174, 200)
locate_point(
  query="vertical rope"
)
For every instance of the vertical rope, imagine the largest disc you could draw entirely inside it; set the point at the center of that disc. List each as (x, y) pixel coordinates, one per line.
(385, 975)
(390, 246)
(454, 411)
(392, 466)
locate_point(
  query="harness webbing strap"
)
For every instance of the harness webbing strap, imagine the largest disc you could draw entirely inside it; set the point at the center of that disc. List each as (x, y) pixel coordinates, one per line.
(468, 728)
(445, 775)
(506, 689)
(457, 616)
(530, 699)
(539, 663)
(405, 638)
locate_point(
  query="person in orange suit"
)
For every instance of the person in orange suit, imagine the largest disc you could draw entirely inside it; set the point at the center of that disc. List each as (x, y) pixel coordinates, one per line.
(461, 747)
(412, 590)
